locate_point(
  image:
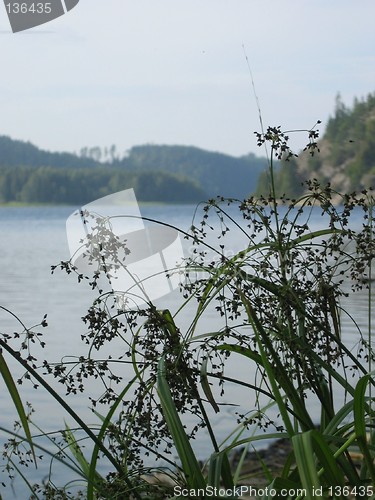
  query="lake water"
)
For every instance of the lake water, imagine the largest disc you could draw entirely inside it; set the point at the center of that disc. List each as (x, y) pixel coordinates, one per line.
(33, 239)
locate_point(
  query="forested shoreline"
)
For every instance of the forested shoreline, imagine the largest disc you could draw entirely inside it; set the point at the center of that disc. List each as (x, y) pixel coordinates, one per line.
(187, 174)
(30, 185)
(169, 174)
(346, 158)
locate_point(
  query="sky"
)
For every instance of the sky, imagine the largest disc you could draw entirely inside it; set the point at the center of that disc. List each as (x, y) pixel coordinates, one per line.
(131, 72)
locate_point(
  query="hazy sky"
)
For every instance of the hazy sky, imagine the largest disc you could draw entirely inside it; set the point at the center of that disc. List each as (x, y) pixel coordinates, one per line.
(130, 72)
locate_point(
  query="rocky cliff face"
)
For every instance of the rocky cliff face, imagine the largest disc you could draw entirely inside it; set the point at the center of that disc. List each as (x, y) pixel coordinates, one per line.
(347, 153)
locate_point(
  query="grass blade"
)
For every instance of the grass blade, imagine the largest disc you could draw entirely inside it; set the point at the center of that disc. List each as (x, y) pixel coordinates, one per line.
(190, 465)
(79, 456)
(304, 453)
(14, 394)
(360, 409)
(206, 386)
(283, 378)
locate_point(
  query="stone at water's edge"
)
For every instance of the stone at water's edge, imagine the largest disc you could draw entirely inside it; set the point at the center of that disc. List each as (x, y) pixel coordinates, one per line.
(273, 458)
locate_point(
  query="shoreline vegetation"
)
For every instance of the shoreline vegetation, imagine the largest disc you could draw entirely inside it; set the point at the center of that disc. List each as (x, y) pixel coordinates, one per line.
(277, 303)
(169, 174)
(345, 154)
(187, 174)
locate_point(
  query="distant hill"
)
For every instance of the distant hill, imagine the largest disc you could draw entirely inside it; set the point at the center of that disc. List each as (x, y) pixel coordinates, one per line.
(157, 173)
(216, 173)
(347, 153)
(15, 153)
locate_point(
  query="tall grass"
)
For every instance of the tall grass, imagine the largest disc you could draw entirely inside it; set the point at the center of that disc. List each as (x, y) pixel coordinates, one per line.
(279, 304)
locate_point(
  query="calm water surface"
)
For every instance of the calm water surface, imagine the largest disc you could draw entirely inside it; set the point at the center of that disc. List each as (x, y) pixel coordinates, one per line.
(33, 239)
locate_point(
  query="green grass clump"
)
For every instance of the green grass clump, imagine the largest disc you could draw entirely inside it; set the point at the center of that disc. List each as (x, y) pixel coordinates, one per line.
(278, 304)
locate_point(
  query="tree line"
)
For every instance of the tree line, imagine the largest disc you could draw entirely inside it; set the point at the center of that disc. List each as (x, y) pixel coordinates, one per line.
(80, 186)
(347, 153)
(166, 173)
